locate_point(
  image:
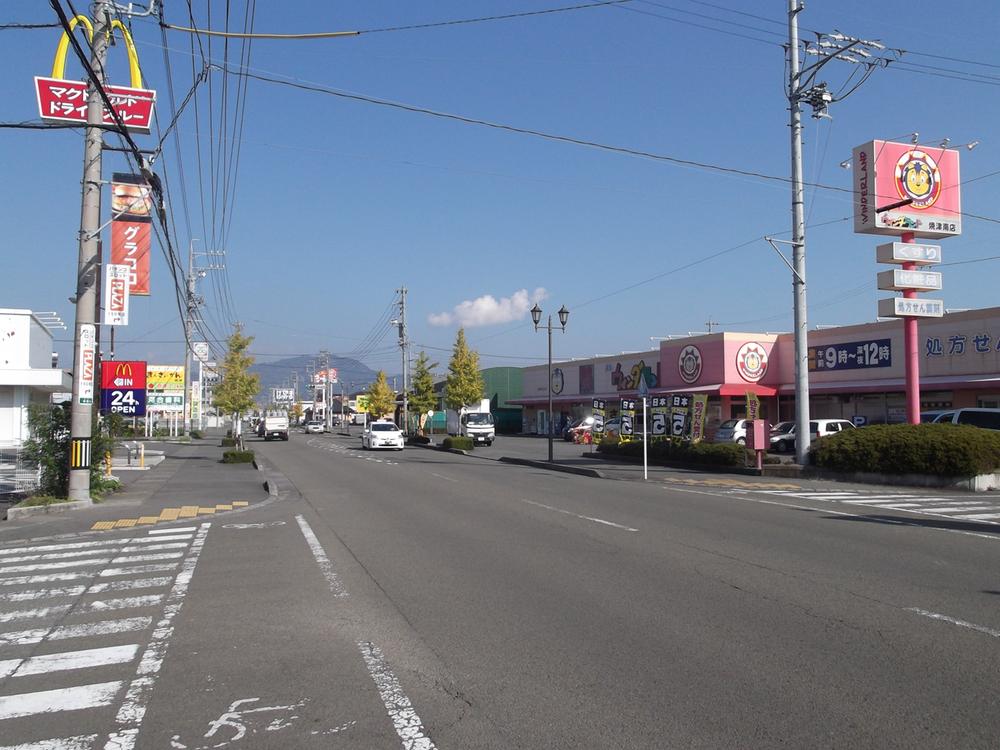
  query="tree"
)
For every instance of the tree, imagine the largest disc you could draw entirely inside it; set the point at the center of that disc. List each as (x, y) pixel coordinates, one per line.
(295, 412)
(464, 384)
(48, 446)
(238, 388)
(381, 398)
(422, 396)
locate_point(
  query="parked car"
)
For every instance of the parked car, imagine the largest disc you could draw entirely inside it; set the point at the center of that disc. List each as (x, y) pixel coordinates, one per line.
(732, 431)
(613, 427)
(822, 427)
(314, 426)
(576, 429)
(382, 435)
(783, 437)
(986, 418)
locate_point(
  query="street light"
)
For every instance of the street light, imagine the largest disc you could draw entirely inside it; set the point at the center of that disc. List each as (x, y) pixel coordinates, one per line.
(536, 317)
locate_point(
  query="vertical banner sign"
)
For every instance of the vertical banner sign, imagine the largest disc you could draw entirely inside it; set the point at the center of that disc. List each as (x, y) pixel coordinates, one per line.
(699, 404)
(658, 410)
(131, 226)
(116, 295)
(87, 365)
(123, 388)
(599, 411)
(679, 405)
(196, 400)
(628, 417)
(753, 406)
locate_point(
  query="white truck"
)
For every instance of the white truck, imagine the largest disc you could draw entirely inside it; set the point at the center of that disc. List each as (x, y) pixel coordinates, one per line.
(274, 428)
(473, 421)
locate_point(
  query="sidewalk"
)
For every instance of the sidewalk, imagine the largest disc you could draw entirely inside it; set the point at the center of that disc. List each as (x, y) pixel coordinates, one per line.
(189, 483)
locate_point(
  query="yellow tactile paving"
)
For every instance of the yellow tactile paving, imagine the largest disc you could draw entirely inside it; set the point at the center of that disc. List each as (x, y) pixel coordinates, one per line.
(738, 483)
(168, 514)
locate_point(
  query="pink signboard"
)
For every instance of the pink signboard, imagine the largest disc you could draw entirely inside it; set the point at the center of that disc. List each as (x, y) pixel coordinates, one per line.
(902, 188)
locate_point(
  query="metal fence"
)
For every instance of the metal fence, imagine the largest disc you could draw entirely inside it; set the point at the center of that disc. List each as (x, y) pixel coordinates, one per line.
(16, 473)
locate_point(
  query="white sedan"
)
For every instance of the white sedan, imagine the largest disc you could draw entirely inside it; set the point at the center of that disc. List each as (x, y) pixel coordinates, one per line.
(382, 435)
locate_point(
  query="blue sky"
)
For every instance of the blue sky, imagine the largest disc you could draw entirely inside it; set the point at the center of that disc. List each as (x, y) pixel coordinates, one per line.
(338, 202)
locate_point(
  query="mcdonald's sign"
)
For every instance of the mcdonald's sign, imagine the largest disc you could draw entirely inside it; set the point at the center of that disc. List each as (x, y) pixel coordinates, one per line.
(62, 100)
(123, 388)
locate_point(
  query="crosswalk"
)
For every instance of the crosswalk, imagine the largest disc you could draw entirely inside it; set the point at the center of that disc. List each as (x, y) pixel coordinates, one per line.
(84, 627)
(964, 507)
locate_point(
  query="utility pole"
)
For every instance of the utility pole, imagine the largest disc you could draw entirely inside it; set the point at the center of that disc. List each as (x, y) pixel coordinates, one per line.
(84, 335)
(800, 322)
(404, 345)
(192, 309)
(803, 87)
(324, 362)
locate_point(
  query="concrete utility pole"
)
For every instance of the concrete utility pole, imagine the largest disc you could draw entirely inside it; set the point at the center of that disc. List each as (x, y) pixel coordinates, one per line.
(404, 346)
(324, 363)
(798, 241)
(192, 308)
(84, 336)
(803, 87)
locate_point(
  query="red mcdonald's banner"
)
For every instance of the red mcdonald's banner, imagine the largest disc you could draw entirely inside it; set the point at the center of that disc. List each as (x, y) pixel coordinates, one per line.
(131, 225)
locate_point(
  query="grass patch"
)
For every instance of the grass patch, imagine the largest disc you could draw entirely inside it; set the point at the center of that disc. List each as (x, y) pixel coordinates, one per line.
(237, 457)
(458, 443)
(38, 500)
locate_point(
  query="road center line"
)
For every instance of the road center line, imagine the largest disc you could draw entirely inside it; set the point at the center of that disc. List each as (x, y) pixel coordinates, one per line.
(954, 621)
(442, 476)
(577, 515)
(325, 566)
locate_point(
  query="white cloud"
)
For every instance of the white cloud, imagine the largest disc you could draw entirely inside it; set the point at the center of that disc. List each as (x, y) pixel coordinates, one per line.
(488, 310)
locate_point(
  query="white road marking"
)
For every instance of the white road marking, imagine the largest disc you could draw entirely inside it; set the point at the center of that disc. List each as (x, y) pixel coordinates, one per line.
(66, 632)
(80, 742)
(135, 569)
(325, 566)
(97, 588)
(154, 532)
(577, 515)
(54, 566)
(829, 511)
(33, 614)
(954, 621)
(982, 516)
(404, 718)
(129, 602)
(957, 509)
(133, 708)
(441, 476)
(139, 583)
(62, 662)
(46, 578)
(83, 545)
(63, 699)
(58, 555)
(154, 547)
(147, 558)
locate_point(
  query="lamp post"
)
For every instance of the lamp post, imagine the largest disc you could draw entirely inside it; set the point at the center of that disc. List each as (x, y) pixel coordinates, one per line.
(536, 317)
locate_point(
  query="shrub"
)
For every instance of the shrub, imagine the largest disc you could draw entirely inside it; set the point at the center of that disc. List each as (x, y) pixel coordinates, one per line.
(679, 451)
(228, 442)
(458, 443)
(196, 435)
(940, 449)
(237, 457)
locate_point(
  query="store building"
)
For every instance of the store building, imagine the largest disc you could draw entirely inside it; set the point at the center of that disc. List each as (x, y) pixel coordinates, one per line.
(855, 372)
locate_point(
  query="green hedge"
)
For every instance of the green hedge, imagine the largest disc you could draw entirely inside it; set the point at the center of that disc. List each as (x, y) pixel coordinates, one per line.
(678, 451)
(939, 449)
(458, 443)
(237, 457)
(228, 442)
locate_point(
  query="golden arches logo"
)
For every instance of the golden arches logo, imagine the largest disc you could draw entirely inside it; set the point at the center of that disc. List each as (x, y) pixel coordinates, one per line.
(59, 63)
(123, 370)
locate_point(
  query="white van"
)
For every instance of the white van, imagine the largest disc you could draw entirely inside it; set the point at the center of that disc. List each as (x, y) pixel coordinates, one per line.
(986, 418)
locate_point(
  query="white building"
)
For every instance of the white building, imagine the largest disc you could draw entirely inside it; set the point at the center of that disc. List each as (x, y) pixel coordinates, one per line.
(26, 372)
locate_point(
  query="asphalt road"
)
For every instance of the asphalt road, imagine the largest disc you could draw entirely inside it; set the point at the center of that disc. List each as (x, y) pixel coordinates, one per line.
(569, 612)
(422, 599)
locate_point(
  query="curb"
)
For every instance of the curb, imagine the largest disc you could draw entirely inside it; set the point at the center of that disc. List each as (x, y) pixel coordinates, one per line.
(269, 484)
(41, 510)
(592, 473)
(704, 468)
